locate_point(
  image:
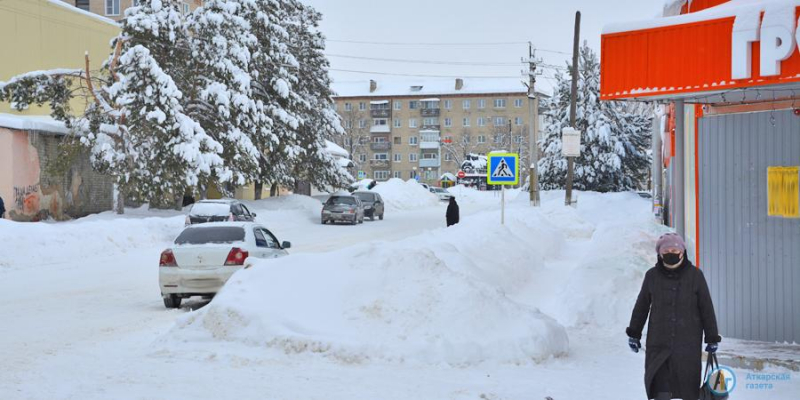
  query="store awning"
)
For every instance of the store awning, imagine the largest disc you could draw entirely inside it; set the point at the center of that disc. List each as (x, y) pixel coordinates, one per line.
(735, 45)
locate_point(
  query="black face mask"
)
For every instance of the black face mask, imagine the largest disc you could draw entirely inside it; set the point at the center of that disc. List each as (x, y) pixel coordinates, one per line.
(671, 258)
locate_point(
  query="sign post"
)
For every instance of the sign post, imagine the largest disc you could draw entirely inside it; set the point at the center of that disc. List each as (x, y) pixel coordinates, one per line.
(570, 148)
(503, 170)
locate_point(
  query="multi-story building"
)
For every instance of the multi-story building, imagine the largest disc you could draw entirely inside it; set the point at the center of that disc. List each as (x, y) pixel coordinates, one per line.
(115, 9)
(426, 128)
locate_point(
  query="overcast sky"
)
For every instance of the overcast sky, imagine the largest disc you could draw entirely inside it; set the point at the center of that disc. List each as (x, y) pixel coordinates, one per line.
(548, 24)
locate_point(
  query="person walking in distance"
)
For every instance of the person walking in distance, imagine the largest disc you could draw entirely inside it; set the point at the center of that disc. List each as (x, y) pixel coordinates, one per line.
(452, 212)
(675, 296)
(2, 209)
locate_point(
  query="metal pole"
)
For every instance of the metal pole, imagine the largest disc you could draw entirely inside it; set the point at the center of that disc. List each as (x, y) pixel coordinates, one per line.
(657, 162)
(533, 129)
(502, 204)
(678, 202)
(573, 100)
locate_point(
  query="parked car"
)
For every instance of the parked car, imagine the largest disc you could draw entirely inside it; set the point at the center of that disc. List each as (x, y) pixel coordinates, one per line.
(373, 204)
(218, 211)
(443, 194)
(205, 256)
(425, 185)
(343, 208)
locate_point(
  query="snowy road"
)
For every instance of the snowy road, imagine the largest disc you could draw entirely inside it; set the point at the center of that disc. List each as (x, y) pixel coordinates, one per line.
(82, 317)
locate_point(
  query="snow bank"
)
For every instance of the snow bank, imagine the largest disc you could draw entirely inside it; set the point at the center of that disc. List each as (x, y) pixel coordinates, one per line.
(405, 195)
(436, 299)
(296, 202)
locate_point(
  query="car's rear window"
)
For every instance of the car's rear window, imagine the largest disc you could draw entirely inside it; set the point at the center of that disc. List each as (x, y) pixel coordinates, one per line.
(342, 200)
(365, 196)
(210, 209)
(208, 234)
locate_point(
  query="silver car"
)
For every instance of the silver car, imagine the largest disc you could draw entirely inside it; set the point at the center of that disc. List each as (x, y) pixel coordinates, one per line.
(343, 208)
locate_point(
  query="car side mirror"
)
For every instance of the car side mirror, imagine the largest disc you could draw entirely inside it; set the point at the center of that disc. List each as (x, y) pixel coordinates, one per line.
(286, 245)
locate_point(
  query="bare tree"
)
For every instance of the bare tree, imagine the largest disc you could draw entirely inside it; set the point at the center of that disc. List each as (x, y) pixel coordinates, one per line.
(356, 138)
(459, 147)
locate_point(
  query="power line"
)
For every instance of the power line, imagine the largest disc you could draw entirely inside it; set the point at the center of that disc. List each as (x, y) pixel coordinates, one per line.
(468, 63)
(422, 75)
(426, 44)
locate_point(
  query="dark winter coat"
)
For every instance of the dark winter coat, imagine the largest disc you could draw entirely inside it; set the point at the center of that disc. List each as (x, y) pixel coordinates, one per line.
(680, 310)
(452, 212)
(2, 208)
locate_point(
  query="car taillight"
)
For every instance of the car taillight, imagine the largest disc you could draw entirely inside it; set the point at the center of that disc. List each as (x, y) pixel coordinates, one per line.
(351, 211)
(167, 259)
(236, 256)
(230, 217)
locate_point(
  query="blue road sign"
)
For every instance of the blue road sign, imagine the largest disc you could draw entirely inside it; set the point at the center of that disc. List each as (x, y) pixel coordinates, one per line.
(503, 169)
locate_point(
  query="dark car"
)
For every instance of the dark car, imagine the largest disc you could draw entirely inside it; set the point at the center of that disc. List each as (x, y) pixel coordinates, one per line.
(373, 204)
(343, 208)
(218, 211)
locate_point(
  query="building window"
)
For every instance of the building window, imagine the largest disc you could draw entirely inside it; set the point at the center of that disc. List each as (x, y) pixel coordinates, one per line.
(448, 122)
(348, 141)
(465, 139)
(398, 140)
(379, 139)
(380, 122)
(517, 139)
(465, 122)
(412, 174)
(412, 105)
(362, 157)
(381, 175)
(382, 156)
(518, 103)
(430, 121)
(185, 8)
(348, 107)
(448, 139)
(481, 121)
(112, 7)
(362, 123)
(448, 104)
(498, 138)
(429, 156)
(481, 103)
(348, 124)
(499, 103)
(398, 105)
(466, 104)
(499, 121)
(397, 174)
(362, 106)
(82, 4)
(397, 123)
(481, 139)
(412, 157)
(398, 157)
(412, 123)
(518, 121)
(412, 140)
(448, 157)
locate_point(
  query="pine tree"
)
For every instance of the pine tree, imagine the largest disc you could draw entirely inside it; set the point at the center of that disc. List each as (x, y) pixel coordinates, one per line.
(614, 141)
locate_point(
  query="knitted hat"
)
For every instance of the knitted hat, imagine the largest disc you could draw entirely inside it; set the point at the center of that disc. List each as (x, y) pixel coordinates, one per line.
(670, 241)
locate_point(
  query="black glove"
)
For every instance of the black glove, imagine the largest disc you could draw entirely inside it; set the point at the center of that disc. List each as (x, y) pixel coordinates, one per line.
(712, 347)
(635, 344)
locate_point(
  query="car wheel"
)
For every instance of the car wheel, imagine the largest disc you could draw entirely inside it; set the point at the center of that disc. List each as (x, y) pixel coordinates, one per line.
(381, 217)
(172, 301)
(355, 221)
(372, 217)
(323, 222)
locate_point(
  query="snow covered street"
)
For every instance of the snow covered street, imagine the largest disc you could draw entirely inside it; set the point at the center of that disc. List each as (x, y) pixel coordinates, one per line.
(397, 309)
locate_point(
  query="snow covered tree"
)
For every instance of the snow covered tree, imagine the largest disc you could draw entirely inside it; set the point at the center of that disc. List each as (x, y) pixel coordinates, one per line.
(614, 141)
(218, 90)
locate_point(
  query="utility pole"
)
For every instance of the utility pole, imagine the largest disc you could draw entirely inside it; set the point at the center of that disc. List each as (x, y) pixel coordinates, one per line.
(573, 99)
(533, 129)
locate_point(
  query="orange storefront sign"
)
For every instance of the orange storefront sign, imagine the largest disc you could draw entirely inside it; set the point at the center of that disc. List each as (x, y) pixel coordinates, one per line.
(716, 49)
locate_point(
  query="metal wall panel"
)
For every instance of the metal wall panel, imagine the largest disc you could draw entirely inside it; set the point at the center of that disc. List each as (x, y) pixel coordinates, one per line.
(751, 261)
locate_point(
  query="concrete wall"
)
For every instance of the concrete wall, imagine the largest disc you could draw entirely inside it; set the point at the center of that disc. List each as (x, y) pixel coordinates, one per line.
(32, 192)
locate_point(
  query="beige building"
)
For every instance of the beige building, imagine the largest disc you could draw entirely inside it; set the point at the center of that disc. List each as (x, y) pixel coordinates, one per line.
(115, 9)
(426, 128)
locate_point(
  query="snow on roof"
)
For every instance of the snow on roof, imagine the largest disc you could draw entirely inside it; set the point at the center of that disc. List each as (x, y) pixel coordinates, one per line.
(335, 150)
(432, 99)
(447, 177)
(430, 87)
(32, 123)
(732, 8)
(86, 13)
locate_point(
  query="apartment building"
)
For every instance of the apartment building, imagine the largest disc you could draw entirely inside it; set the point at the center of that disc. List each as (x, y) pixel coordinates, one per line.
(424, 129)
(115, 9)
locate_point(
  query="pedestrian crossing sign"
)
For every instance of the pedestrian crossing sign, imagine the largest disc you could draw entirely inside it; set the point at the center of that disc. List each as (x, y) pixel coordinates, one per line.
(503, 169)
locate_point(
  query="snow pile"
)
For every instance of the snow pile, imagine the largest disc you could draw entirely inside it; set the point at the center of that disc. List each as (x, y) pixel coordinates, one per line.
(296, 202)
(405, 195)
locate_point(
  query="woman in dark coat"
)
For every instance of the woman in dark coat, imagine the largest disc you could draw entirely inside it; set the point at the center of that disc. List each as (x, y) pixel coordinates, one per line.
(676, 297)
(452, 212)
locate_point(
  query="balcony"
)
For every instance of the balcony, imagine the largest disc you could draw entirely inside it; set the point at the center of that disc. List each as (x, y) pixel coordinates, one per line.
(435, 128)
(430, 112)
(379, 163)
(429, 163)
(380, 113)
(380, 146)
(429, 145)
(380, 129)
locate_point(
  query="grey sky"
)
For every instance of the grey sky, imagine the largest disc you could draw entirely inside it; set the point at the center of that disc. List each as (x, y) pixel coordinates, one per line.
(548, 24)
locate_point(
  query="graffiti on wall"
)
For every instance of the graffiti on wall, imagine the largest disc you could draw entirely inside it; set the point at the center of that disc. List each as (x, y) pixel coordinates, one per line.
(26, 198)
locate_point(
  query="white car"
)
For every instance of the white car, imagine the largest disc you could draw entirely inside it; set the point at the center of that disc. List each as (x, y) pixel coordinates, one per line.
(443, 194)
(206, 255)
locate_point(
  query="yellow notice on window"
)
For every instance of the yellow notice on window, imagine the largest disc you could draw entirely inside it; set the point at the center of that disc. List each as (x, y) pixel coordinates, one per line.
(783, 192)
